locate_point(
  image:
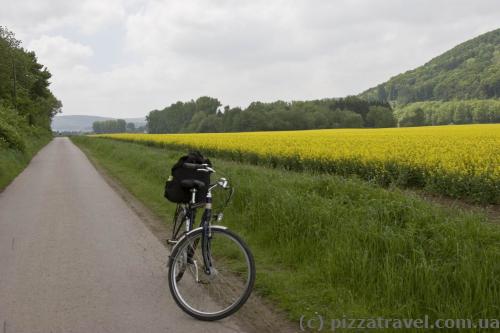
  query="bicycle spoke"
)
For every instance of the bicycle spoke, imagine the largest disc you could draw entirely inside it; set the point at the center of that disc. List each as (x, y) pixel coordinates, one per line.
(227, 287)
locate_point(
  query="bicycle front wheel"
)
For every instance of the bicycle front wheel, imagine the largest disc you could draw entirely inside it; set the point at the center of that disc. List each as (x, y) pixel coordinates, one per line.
(222, 292)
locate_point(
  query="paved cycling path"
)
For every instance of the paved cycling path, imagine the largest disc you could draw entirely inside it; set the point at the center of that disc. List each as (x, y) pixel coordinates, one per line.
(75, 258)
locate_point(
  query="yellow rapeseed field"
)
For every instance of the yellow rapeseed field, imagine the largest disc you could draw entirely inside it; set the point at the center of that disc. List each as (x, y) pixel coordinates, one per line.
(411, 156)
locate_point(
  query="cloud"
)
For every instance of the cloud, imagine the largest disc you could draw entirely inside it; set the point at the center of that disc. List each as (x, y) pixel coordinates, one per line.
(158, 52)
(29, 17)
(59, 53)
(266, 50)
(97, 14)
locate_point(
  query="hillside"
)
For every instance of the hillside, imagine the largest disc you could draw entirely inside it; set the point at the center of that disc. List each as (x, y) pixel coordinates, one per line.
(75, 123)
(470, 70)
(84, 123)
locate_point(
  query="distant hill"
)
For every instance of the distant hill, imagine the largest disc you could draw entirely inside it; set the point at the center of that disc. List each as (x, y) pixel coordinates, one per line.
(470, 70)
(84, 123)
(75, 123)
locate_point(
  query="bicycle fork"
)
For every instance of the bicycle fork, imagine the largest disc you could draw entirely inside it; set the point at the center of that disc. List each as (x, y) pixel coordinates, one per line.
(207, 236)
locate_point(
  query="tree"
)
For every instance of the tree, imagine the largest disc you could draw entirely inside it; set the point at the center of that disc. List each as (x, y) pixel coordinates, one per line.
(380, 117)
(207, 104)
(121, 126)
(130, 127)
(470, 70)
(461, 114)
(205, 115)
(413, 118)
(96, 126)
(452, 112)
(24, 83)
(444, 116)
(210, 124)
(110, 126)
(381, 93)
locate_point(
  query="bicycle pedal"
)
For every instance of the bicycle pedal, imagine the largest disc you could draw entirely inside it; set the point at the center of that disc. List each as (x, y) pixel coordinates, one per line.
(172, 242)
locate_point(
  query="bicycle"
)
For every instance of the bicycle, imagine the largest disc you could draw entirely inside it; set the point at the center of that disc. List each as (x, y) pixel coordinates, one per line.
(211, 271)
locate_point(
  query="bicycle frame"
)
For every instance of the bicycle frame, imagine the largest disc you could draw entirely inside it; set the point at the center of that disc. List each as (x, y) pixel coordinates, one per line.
(205, 225)
(185, 253)
(207, 233)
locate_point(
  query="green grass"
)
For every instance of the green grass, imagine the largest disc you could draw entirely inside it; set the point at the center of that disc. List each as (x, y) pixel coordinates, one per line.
(337, 246)
(13, 161)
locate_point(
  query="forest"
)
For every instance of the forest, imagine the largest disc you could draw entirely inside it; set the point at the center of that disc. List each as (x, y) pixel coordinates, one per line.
(26, 103)
(451, 112)
(470, 70)
(206, 114)
(26, 106)
(115, 126)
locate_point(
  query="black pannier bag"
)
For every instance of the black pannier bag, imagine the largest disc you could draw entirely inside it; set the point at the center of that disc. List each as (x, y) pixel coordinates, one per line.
(174, 192)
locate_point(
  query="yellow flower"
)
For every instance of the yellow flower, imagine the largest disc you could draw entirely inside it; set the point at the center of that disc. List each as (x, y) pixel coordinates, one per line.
(461, 149)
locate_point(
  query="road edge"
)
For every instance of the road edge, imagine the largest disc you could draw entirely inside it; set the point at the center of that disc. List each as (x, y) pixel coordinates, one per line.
(28, 162)
(261, 314)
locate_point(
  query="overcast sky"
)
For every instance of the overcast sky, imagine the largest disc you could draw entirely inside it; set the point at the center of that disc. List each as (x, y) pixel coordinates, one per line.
(123, 58)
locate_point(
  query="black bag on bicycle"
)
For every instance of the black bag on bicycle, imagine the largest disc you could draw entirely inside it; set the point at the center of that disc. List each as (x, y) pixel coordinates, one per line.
(174, 192)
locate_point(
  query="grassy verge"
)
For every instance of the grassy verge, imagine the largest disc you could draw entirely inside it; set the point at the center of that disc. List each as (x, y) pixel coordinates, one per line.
(13, 161)
(337, 246)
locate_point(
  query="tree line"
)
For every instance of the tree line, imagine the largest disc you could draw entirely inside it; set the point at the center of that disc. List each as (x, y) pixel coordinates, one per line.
(470, 70)
(115, 126)
(206, 114)
(24, 83)
(451, 112)
(26, 103)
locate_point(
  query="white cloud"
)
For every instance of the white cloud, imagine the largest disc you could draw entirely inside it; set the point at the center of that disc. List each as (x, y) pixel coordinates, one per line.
(28, 17)
(59, 53)
(98, 14)
(158, 52)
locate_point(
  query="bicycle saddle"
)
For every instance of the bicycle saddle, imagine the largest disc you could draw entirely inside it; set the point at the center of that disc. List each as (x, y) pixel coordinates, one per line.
(192, 183)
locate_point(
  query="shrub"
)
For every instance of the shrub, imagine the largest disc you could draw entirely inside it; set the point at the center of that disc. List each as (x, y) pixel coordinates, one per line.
(10, 136)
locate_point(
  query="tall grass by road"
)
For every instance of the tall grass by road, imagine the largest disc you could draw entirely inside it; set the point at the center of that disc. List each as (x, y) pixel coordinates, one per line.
(337, 246)
(13, 161)
(18, 143)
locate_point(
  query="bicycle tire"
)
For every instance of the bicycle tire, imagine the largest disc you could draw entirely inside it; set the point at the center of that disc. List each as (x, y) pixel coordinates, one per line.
(240, 300)
(179, 217)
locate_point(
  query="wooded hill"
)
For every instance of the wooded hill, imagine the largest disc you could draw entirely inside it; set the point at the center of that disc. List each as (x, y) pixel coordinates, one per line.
(461, 86)
(470, 70)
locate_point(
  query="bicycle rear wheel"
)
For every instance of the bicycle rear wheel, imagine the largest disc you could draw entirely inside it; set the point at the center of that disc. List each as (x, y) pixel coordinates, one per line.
(226, 289)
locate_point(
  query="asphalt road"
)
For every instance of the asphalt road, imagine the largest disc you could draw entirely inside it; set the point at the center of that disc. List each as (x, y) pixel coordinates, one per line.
(75, 258)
